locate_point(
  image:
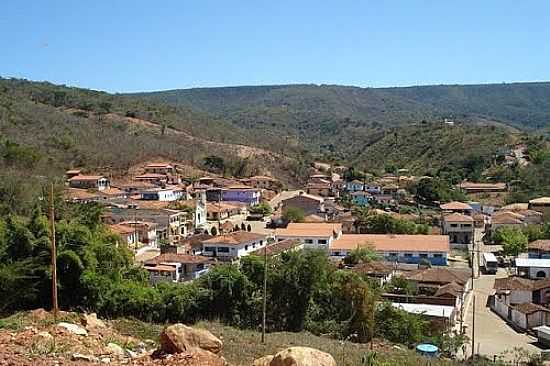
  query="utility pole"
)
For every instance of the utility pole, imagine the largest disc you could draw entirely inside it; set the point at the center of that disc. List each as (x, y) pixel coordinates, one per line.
(54, 257)
(473, 326)
(264, 310)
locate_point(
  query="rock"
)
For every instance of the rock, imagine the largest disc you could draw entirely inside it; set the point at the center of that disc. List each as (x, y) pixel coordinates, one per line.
(81, 357)
(91, 321)
(44, 335)
(39, 314)
(105, 360)
(115, 350)
(180, 338)
(263, 361)
(131, 353)
(302, 356)
(73, 328)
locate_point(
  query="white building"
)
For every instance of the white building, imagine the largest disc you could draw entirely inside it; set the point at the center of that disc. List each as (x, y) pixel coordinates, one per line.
(314, 235)
(163, 194)
(533, 267)
(234, 245)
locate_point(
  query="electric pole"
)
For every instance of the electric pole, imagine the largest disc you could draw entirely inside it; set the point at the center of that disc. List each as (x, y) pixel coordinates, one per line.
(473, 326)
(264, 310)
(54, 256)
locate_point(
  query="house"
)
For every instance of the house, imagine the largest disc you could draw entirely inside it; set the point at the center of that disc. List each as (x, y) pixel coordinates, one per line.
(72, 173)
(384, 199)
(241, 193)
(438, 281)
(355, 185)
(263, 182)
(308, 203)
(223, 211)
(440, 316)
(380, 271)
(390, 190)
(314, 235)
(128, 234)
(457, 207)
(323, 189)
(396, 248)
(146, 231)
(347, 219)
(234, 245)
(171, 267)
(171, 224)
(520, 301)
(472, 187)
(535, 268)
(160, 168)
(279, 247)
(98, 182)
(459, 227)
(517, 218)
(191, 245)
(373, 188)
(541, 205)
(152, 178)
(164, 194)
(361, 198)
(539, 249)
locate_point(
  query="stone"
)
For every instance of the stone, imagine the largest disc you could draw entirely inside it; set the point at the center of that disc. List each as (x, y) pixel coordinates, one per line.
(39, 314)
(302, 356)
(180, 338)
(105, 360)
(44, 335)
(263, 361)
(91, 321)
(73, 328)
(131, 353)
(82, 357)
(115, 350)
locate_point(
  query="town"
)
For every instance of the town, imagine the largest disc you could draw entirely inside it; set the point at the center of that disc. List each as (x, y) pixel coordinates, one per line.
(457, 262)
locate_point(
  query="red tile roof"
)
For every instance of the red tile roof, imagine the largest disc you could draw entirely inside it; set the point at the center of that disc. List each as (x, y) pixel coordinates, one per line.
(455, 205)
(236, 238)
(456, 217)
(177, 258)
(391, 242)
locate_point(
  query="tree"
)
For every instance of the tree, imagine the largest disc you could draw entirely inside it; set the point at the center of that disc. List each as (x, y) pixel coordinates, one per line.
(293, 214)
(214, 163)
(513, 240)
(261, 209)
(363, 254)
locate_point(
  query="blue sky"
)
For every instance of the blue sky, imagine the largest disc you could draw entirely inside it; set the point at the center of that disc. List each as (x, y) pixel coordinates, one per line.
(153, 45)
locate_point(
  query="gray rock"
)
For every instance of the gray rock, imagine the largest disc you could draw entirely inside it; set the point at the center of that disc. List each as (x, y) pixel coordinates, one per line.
(73, 328)
(81, 357)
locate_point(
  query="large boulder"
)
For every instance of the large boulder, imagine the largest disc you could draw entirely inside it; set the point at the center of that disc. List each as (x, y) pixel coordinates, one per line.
(180, 338)
(302, 356)
(91, 321)
(73, 328)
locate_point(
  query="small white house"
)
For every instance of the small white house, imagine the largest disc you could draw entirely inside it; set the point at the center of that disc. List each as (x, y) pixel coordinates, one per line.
(163, 194)
(313, 235)
(233, 245)
(533, 267)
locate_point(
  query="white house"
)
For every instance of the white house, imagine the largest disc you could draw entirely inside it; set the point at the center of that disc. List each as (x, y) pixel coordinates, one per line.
(233, 245)
(172, 267)
(533, 267)
(98, 182)
(314, 235)
(163, 194)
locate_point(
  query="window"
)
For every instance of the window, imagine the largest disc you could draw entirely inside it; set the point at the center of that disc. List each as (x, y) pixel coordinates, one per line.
(438, 255)
(309, 241)
(454, 225)
(393, 254)
(245, 248)
(209, 249)
(541, 274)
(336, 253)
(223, 250)
(408, 255)
(423, 255)
(322, 241)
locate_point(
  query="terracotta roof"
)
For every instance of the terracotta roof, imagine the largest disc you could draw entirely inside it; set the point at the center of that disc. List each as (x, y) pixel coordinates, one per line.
(520, 283)
(305, 195)
(86, 177)
(391, 242)
(456, 217)
(161, 268)
(159, 165)
(455, 205)
(147, 176)
(221, 207)
(541, 200)
(236, 238)
(195, 240)
(313, 218)
(515, 207)
(507, 218)
(310, 229)
(529, 308)
(374, 268)
(452, 288)
(441, 276)
(122, 229)
(177, 258)
(73, 171)
(482, 186)
(543, 245)
(263, 177)
(319, 185)
(278, 247)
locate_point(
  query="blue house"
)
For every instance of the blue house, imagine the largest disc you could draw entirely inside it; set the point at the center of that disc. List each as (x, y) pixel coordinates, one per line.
(361, 198)
(396, 248)
(354, 186)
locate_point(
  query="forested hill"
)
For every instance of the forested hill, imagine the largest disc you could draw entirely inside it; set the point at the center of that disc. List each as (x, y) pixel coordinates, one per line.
(522, 105)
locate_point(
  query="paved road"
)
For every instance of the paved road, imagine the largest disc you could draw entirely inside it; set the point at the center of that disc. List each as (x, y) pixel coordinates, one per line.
(493, 336)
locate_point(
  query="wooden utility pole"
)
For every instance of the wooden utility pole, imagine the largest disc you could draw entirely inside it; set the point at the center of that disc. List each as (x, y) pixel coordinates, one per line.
(54, 256)
(473, 327)
(264, 310)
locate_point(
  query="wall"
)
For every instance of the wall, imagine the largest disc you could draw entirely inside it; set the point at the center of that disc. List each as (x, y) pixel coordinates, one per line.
(415, 258)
